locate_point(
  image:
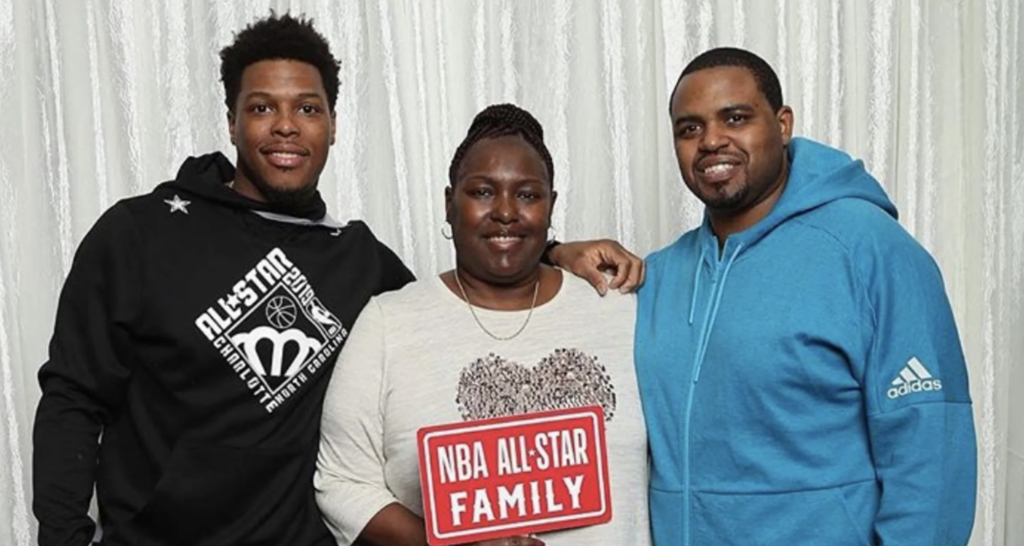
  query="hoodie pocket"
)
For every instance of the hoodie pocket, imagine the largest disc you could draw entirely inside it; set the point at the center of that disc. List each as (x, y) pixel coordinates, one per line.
(215, 495)
(838, 516)
(666, 510)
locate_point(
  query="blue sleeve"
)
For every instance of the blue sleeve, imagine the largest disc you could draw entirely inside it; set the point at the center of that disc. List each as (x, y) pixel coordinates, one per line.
(919, 407)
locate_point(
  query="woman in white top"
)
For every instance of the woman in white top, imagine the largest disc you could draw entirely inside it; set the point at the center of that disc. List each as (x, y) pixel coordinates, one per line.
(501, 334)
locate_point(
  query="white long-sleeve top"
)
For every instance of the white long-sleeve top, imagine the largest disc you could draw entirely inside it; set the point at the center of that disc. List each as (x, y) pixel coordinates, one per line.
(417, 358)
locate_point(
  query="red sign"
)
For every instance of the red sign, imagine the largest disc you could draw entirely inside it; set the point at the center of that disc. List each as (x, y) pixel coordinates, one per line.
(514, 475)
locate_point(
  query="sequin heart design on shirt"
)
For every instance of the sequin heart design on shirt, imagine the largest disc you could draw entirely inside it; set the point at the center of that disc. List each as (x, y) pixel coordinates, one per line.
(568, 378)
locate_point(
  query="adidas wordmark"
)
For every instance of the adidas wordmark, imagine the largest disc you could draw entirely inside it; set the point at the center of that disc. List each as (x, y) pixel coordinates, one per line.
(914, 377)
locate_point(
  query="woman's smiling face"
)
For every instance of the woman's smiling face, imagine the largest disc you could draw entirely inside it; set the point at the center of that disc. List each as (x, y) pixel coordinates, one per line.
(500, 210)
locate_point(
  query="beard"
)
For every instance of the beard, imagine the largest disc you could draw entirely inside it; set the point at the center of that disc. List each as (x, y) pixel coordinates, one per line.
(723, 198)
(745, 194)
(292, 201)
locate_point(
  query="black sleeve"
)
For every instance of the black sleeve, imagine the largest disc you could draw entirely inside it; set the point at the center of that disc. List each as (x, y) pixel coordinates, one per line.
(545, 258)
(394, 274)
(84, 379)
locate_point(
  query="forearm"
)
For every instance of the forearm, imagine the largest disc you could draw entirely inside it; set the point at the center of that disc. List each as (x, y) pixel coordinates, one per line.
(591, 259)
(64, 467)
(927, 464)
(394, 525)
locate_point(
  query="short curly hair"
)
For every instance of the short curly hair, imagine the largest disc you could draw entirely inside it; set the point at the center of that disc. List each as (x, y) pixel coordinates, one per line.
(767, 80)
(278, 37)
(500, 120)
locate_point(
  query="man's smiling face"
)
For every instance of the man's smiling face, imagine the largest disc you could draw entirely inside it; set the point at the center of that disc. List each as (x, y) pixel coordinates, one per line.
(282, 128)
(730, 145)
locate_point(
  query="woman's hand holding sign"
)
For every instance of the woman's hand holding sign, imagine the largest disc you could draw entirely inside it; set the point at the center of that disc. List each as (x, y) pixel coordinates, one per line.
(510, 541)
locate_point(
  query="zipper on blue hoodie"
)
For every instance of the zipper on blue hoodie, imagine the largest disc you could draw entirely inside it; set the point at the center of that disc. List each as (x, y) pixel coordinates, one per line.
(710, 312)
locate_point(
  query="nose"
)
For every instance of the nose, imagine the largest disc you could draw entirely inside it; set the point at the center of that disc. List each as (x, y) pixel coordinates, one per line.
(505, 208)
(713, 138)
(284, 124)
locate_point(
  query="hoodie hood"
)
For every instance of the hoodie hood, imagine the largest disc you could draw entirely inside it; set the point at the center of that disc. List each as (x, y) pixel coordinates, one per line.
(207, 176)
(818, 175)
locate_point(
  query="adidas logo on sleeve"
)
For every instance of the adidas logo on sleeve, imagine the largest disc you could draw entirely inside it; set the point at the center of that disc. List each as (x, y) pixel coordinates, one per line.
(914, 377)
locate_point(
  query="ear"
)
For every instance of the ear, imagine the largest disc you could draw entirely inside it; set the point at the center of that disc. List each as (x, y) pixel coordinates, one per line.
(551, 211)
(334, 125)
(449, 205)
(231, 126)
(785, 117)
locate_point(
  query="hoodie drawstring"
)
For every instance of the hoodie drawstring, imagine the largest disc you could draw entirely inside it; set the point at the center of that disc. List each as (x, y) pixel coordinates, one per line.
(696, 281)
(710, 320)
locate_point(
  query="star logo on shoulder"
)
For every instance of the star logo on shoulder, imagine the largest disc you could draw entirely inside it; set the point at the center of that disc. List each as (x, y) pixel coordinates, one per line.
(178, 204)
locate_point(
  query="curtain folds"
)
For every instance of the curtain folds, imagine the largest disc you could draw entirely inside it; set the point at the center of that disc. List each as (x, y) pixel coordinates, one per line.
(102, 99)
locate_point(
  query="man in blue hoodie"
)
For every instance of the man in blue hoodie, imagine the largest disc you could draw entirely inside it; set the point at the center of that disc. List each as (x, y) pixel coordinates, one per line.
(801, 373)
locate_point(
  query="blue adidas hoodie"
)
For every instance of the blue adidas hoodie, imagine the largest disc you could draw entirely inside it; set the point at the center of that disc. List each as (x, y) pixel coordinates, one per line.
(805, 386)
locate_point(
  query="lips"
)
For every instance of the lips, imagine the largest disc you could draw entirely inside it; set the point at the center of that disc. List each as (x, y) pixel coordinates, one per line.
(285, 156)
(504, 240)
(717, 169)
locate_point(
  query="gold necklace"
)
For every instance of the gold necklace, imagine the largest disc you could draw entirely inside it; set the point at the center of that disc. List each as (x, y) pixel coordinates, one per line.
(465, 297)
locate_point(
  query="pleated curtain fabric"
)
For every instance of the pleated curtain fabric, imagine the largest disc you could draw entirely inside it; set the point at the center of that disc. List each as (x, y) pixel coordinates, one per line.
(102, 99)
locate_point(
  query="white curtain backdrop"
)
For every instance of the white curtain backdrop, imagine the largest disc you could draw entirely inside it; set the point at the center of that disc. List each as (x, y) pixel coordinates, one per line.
(101, 99)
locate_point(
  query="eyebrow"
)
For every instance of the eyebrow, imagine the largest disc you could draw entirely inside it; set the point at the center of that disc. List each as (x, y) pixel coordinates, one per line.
(266, 95)
(727, 109)
(483, 177)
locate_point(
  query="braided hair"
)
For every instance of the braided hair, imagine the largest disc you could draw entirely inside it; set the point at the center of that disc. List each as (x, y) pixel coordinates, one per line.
(501, 120)
(767, 80)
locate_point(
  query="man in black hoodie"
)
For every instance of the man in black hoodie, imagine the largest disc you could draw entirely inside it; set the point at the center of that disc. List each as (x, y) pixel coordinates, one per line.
(199, 325)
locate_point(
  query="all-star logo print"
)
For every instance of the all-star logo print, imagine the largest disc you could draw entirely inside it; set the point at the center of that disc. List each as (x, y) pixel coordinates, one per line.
(272, 330)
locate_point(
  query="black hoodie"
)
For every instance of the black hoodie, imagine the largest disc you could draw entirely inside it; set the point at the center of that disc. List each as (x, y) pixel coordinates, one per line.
(197, 332)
